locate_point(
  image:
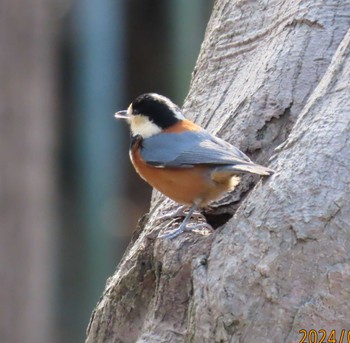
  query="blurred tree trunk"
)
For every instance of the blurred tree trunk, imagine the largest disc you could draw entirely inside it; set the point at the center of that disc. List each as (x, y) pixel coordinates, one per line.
(270, 73)
(26, 171)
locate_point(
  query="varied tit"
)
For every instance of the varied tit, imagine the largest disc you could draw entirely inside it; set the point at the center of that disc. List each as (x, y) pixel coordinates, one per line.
(179, 158)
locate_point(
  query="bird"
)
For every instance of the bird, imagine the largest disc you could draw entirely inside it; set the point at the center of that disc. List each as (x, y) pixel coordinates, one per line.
(180, 158)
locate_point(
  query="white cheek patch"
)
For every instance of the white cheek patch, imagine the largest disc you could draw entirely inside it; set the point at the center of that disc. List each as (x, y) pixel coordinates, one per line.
(141, 125)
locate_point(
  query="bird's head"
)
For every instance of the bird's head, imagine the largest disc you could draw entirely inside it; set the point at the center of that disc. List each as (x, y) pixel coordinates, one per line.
(149, 114)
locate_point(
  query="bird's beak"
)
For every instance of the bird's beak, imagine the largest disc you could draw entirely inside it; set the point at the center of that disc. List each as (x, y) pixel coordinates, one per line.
(122, 115)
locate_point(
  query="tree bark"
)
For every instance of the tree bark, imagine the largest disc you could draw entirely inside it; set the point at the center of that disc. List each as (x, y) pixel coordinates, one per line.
(270, 75)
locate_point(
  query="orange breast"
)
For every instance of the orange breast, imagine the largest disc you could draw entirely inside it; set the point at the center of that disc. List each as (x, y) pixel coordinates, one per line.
(183, 125)
(184, 185)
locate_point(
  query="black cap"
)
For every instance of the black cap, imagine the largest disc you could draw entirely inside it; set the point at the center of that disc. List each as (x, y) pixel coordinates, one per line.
(159, 109)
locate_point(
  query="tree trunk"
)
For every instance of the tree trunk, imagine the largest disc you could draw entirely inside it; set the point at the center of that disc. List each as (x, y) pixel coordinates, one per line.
(270, 74)
(27, 223)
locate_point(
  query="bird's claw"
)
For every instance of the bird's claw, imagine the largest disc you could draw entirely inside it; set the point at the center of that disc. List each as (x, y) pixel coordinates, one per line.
(179, 212)
(189, 228)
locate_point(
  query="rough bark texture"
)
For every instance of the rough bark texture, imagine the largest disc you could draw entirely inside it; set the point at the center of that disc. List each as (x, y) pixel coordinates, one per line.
(26, 171)
(270, 73)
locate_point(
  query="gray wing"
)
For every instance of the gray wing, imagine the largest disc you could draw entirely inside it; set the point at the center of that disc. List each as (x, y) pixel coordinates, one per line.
(186, 149)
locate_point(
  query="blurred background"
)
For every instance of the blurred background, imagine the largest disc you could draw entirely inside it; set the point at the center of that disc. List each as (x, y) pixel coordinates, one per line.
(69, 199)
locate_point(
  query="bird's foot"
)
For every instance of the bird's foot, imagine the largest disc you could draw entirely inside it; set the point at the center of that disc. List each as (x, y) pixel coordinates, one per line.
(179, 212)
(185, 228)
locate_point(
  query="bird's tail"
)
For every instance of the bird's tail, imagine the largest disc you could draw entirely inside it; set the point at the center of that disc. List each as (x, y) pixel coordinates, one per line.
(253, 168)
(245, 168)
